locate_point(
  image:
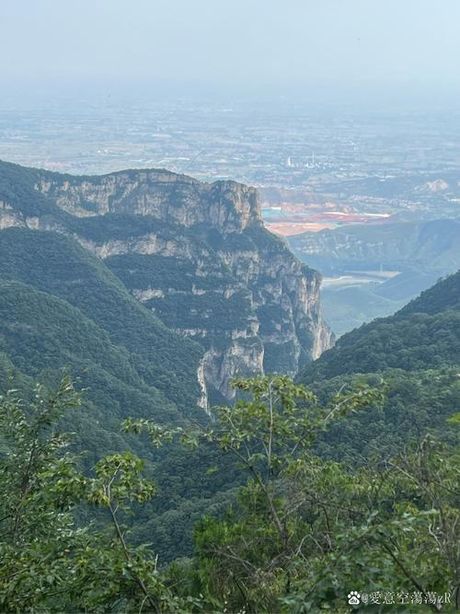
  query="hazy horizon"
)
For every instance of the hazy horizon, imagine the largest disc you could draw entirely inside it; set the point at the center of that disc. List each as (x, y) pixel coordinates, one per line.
(359, 51)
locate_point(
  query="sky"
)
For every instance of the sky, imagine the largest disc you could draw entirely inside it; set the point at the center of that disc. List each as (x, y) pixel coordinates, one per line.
(283, 47)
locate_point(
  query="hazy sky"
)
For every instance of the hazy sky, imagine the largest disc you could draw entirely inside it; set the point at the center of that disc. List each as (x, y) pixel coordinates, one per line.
(244, 45)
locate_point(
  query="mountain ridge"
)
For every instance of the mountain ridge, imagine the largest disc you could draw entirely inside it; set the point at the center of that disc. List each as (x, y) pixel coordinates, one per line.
(432, 245)
(177, 228)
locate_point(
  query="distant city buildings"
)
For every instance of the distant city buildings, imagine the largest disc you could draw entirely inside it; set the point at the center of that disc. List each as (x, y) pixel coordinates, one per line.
(314, 171)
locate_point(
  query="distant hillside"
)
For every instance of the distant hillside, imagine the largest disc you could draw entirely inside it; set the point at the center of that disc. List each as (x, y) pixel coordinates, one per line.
(422, 252)
(428, 246)
(350, 306)
(425, 334)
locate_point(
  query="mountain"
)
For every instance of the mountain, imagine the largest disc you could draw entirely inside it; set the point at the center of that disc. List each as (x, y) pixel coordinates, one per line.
(195, 254)
(424, 334)
(114, 297)
(378, 268)
(430, 246)
(443, 296)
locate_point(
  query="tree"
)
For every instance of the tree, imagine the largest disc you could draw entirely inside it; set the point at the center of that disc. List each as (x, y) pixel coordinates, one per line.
(48, 562)
(307, 531)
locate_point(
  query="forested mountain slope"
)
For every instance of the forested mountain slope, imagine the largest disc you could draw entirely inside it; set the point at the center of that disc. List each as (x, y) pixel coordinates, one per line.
(61, 308)
(441, 297)
(416, 355)
(57, 265)
(424, 334)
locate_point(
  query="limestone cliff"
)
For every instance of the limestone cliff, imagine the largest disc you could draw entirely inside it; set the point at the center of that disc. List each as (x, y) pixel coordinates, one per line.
(197, 254)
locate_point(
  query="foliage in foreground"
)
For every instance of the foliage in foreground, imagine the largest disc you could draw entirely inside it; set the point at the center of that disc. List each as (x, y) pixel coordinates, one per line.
(307, 530)
(304, 532)
(47, 562)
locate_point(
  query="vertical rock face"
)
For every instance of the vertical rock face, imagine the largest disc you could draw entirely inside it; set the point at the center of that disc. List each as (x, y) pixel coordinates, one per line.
(197, 254)
(175, 199)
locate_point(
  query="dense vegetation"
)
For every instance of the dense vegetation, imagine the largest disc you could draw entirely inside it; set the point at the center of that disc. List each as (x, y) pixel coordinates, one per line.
(417, 353)
(58, 266)
(350, 484)
(302, 534)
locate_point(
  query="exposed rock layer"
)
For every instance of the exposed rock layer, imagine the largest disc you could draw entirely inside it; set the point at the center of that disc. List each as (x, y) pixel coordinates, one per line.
(198, 255)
